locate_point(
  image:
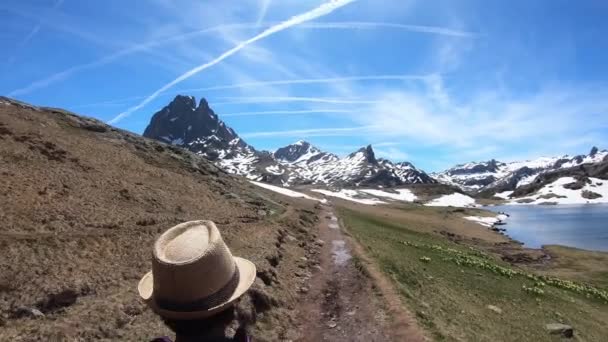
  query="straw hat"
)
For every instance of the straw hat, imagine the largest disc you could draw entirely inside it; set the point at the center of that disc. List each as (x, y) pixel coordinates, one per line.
(194, 275)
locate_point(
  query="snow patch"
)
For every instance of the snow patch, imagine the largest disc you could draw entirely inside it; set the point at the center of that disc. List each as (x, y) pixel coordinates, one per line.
(401, 195)
(453, 200)
(287, 192)
(504, 194)
(349, 195)
(556, 193)
(485, 221)
(275, 170)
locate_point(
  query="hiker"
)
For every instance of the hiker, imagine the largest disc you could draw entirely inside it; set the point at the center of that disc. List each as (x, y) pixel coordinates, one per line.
(194, 283)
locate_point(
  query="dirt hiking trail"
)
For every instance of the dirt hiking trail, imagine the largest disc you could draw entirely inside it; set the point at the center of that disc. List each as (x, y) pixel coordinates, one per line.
(347, 299)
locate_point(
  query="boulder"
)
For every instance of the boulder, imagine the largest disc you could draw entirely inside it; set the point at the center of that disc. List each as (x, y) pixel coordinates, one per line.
(560, 329)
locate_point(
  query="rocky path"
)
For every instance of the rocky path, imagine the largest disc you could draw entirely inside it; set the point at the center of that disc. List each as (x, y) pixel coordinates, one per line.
(344, 301)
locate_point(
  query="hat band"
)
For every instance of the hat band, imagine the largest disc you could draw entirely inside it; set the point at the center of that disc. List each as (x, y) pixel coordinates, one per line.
(202, 304)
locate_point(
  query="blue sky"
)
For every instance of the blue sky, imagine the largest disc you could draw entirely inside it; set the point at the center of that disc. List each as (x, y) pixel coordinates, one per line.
(433, 82)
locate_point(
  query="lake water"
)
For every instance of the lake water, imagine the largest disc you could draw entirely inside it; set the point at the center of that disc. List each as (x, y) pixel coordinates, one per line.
(581, 226)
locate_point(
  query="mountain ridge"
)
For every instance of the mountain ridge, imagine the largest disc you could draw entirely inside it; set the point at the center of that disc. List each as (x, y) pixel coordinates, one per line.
(201, 131)
(493, 176)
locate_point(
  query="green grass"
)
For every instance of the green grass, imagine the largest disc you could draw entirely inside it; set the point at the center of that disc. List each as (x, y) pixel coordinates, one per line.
(449, 286)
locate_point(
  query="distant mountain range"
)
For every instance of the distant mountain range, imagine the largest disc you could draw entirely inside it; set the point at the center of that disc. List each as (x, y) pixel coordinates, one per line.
(199, 129)
(495, 177)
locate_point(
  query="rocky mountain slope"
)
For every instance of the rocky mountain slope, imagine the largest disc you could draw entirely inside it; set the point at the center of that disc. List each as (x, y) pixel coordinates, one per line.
(81, 204)
(199, 129)
(495, 177)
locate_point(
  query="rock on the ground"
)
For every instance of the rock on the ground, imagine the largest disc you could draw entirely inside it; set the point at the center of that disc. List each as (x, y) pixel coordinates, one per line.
(560, 329)
(495, 309)
(27, 312)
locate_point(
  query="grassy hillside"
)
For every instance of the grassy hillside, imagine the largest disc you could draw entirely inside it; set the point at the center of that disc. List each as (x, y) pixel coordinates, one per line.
(81, 204)
(450, 287)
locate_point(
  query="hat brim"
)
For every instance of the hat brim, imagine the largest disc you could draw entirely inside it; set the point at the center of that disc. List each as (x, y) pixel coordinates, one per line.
(247, 274)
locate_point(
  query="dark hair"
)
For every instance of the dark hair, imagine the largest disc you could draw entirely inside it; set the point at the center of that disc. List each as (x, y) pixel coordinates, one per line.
(214, 327)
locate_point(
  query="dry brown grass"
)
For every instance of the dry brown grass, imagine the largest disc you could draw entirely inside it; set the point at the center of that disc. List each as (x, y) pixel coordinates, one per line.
(80, 206)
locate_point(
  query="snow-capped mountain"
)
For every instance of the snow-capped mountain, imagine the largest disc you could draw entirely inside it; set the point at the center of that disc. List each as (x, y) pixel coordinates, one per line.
(199, 129)
(498, 177)
(308, 164)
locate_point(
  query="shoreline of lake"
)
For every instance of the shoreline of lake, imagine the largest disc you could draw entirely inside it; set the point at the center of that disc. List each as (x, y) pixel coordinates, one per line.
(581, 226)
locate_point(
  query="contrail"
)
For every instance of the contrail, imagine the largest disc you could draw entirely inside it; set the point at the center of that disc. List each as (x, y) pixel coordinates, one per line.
(36, 28)
(311, 81)
(320, 11)
(288, 112)
(263, 10)
(271, 99)
(277, 82)
(373, 25)
(114, 56)
(34, 31)
(314, 25)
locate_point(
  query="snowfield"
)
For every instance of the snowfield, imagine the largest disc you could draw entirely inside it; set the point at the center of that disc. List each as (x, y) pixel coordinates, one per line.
(349, 195)
(401, 195)
(568, 196)
(287, 192)
(453, 200)
(504, 194)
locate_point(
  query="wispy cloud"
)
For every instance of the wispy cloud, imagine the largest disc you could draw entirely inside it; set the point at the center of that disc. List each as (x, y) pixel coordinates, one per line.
(64, 74)
(33, 32)
(491, 119)
(264, 4)
(244, 85)
(312, 81)
(275, 99)
(356, 25)
(317, 12)
(55, 20)
(391, 153)
(288, 112)
(315, 132)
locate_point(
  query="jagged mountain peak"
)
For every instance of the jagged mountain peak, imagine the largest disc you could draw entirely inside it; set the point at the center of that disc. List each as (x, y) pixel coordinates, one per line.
(296, 151)
(183, 123)
(183, 100)
(366, 152)
(200, 130)
(593, 151)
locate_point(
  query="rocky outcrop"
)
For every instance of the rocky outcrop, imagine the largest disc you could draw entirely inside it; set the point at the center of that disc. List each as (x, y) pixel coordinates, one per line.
(197, 128)
(590, 194)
